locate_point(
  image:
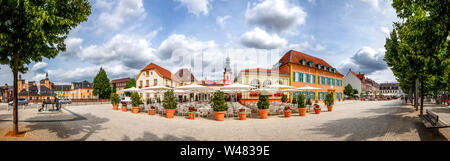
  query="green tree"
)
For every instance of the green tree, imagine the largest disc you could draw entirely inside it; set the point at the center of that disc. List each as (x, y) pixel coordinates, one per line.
(284, 98)
(169, 101)
(218, 102)
(348, 90)
(355, 91)
(417, 47)
(131, 83)
(114, 88)
(301, 101)
(102, 88)
(31, 30)
(263, 102)
(136, 99)
(115, 100)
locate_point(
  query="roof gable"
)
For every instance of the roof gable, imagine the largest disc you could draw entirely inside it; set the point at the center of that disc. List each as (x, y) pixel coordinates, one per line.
(164, 72)
(296, 57)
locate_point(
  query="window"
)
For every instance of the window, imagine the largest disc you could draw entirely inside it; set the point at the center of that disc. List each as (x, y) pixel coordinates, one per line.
(333, 81)
(146, 73)
(323, 80)
(328, 81)
(147, 82)
(279, 82)
(140, 83)
(293, 76)
(313, 78)
(155, 82)
(266, 83)
(308, 78)
(255, 83)
(301, 77)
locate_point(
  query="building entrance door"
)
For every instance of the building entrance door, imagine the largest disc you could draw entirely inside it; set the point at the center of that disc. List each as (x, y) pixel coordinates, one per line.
(333, 92)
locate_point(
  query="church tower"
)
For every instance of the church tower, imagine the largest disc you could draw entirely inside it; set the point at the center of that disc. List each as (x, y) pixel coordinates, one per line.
(227, 74)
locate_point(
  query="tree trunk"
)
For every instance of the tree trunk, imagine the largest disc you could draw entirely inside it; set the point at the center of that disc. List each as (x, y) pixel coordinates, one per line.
(15, 103)
(416, 93)
(421, 97)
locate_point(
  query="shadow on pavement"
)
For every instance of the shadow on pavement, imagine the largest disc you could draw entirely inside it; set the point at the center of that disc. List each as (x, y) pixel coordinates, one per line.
(66, 126)
(148, 136)
(395, 119)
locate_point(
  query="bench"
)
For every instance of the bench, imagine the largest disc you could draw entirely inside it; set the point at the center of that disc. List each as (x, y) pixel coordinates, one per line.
(431, 120)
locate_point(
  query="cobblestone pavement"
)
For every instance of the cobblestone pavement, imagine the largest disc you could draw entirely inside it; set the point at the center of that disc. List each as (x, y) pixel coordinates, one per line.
(349, 120)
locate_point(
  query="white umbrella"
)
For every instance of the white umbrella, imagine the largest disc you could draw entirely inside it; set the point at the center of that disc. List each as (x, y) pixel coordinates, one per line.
(157, 88)
(236, 86)
(306, 88)
(280, 87)
(132, 89)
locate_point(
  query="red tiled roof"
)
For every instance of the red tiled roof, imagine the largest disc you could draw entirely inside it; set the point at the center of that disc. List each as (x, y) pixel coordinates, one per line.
(120, 80)
(295, 57)
(164, 72)
(185, 75)
(360, 76)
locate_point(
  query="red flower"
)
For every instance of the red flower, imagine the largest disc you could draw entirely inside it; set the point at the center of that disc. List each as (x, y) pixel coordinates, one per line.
(242, 110)
(192, 109)
(316, 106)
(287, 108)
(152, 107)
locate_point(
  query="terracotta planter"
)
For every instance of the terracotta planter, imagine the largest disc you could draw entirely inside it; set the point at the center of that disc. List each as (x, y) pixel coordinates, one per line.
(263, 113)
(135, 109)
(242, 116)
(302, 111)
(287, 113)
(219, 115)
(317, 110)
(330, 108)
(151, 112)
(116, 107)
(169, 113)
(124, 108)
(191, 115)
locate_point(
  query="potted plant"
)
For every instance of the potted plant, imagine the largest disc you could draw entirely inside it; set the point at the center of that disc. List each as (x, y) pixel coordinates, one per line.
(317, 108)
(329, 101)
(301, 105)
(287, 111)
(135, 102)
(219, 106)
(169, 103)
(263, 106)
(284, 98)
(115, 100)
(242, 114)
(124, 107)
(191, 112)
(152, 110)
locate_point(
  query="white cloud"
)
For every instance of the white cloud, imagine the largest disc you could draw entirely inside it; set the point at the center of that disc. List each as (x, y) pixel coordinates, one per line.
(124, 10)
(277, 15)
(221, 20)
(319, 47)
(73, 46)
(366, 60)
(260, 39)
(373, 3)
(196, 6)
(39, 67)
(385, 30)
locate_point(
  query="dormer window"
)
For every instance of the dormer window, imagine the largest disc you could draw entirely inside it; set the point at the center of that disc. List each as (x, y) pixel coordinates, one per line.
(310, 63)
(303, 61)
(318, 66)
(325, 67)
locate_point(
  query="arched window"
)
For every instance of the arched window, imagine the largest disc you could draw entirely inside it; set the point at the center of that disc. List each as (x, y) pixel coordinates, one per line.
(255, 83)
(266, 83)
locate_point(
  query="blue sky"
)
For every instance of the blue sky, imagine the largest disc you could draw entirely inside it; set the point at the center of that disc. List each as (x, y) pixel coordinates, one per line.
(123, 36)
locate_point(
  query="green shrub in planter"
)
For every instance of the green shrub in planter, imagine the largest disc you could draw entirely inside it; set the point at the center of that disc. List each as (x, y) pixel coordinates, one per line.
(301, 101)
(284, 98)
(329, 101)
(169, 101)
(115, 100)
(263, 102)
(218, 102)
(135, 99)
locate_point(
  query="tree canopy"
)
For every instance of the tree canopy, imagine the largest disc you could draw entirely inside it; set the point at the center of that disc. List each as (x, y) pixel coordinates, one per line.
(348, 90)
(130, 83)
(102, 88)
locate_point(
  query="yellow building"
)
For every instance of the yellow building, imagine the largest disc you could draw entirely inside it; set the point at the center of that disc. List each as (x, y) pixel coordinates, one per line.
(82, 90)
(154, 75)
